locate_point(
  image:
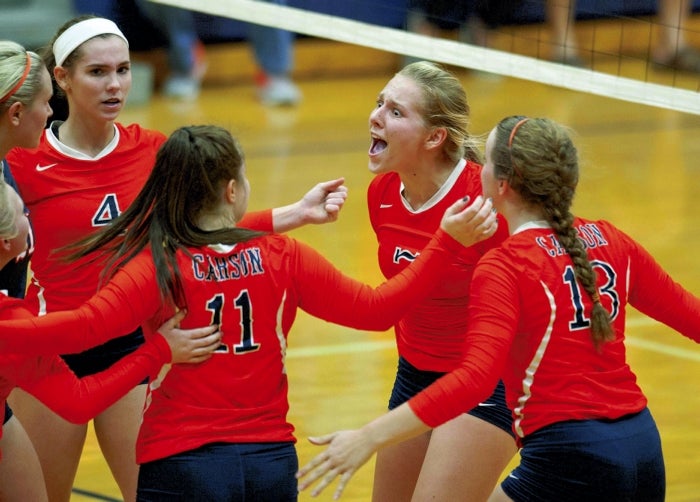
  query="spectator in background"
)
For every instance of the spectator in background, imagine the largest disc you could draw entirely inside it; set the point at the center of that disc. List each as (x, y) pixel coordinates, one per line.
(472, 19)
(272, 49)
(186, 53)
(561, 16)
(669, 50)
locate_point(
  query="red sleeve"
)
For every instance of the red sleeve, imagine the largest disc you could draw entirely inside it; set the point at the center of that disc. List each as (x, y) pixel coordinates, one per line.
(79, 400)
(651, 288)
(493, 316)
(258, 220)
(326, 293)
(130, 297)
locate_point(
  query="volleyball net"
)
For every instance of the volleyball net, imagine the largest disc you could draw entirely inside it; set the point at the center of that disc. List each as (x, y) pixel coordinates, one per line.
(618, 64)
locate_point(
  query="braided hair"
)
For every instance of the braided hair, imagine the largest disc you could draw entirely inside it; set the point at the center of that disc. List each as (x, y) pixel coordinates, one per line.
(540, 162)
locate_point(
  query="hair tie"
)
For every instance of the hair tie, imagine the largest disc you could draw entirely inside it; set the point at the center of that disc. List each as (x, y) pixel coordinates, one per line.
(20, 83)
(510, 144)
(515, 129)
(595, 297)
(80, 33)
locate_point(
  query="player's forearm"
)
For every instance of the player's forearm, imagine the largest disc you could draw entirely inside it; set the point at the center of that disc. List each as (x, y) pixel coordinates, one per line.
(286, 218)
(398, 425)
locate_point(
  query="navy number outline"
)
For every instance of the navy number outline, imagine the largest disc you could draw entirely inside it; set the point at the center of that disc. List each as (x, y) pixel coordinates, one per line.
(580, 320)
(243, 304)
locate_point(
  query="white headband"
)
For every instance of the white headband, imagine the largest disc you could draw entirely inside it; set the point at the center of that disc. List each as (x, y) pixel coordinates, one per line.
(81, 32)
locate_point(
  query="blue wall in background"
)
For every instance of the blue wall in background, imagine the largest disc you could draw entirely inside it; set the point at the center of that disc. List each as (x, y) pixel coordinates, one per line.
(389, 13)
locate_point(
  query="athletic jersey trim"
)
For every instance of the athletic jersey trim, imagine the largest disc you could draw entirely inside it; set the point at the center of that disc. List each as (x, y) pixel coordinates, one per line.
(52, 138)
(440, 194)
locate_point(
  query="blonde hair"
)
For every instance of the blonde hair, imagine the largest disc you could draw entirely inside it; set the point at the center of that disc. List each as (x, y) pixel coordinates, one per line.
(8, 212)
(445, 105)
(13, 63)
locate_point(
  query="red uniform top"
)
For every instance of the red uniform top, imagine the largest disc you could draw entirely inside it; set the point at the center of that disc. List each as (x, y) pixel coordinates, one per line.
(48, 378)
(529, 325)
(431, 335)
(69, 197)
(252, 290)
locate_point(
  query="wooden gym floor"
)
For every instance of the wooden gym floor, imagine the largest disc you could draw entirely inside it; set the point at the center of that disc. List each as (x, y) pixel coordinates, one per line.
(640, 169)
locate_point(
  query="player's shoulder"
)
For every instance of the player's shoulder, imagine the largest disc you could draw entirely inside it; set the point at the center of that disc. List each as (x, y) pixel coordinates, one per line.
(265, 244)
(469, 179)
(273, 242)
(598, 230)
(139, 134)
(472, 168)
(383, 182)
(18, 155)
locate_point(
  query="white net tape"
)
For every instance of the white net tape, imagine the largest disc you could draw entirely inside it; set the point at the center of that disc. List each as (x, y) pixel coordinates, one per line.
(447, 51)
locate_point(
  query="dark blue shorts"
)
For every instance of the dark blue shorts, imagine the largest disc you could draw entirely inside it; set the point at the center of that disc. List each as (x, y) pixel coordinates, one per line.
(103, 356)
(256, 472)
(591, 460)
(8, 413)
(410, 381)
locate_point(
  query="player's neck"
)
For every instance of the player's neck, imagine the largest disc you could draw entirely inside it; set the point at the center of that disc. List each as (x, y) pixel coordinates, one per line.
(519, 215)
(422, 184)
(86, 137)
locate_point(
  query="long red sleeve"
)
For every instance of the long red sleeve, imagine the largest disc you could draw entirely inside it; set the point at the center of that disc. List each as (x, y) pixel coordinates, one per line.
(79, 400)
(131, 297)
(529, 325)
(328, 294)
(258, 220)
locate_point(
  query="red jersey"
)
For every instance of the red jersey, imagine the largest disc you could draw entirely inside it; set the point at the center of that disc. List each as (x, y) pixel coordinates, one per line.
(529, 325)
(49, 379)
(69, 197)
(252, 290)
(431, 335)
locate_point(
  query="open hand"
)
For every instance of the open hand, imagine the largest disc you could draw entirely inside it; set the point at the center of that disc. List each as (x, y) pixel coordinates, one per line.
(470, 223)
(190, 345)
(347, 452)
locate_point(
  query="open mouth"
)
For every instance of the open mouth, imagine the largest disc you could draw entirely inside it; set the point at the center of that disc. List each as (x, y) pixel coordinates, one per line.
(377, 146)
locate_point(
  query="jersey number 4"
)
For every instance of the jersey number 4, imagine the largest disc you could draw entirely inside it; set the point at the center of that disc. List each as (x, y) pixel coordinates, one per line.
(107, 211)
(244, 307)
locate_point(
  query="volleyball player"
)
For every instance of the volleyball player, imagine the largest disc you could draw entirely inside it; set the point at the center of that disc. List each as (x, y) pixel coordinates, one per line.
(179, 240)
(25, 90)
(424, 159)
(85, 171)
(547, 315)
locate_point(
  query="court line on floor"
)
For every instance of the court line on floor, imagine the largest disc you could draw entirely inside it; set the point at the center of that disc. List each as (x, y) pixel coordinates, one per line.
(94, 495)
(377, 345)
(389, 343)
